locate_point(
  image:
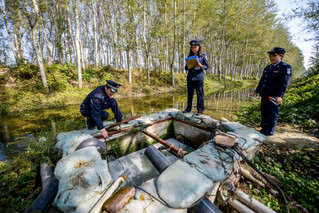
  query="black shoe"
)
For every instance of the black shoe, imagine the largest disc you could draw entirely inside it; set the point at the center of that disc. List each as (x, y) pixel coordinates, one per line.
(266, 134)
(185, 111)
(89, 123)
(199, 113)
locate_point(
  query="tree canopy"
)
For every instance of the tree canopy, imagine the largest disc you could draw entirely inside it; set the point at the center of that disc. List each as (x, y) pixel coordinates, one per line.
(140, 34)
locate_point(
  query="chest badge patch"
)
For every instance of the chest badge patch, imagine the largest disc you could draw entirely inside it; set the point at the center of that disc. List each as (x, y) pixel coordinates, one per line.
(288, 71)
(276, 71)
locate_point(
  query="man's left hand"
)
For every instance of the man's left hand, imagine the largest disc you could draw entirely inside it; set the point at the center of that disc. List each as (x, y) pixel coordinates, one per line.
(278, 100)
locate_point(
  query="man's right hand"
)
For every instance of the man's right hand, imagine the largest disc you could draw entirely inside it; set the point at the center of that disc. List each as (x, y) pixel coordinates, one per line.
(255, 94)
(105, 134)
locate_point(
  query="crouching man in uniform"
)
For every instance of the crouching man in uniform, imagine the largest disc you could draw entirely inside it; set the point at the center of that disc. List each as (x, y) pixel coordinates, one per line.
(96, 102)
(273, 83)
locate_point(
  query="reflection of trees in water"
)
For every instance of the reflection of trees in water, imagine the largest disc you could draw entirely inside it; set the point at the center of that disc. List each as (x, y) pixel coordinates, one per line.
(221, 104)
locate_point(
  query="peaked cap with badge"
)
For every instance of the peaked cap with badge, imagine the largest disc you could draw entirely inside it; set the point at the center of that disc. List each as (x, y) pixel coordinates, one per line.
(112, 85)
(195, 42)
(278, 50)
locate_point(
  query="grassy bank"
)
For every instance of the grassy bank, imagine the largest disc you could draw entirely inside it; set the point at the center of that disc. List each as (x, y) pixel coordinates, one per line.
(22, 90)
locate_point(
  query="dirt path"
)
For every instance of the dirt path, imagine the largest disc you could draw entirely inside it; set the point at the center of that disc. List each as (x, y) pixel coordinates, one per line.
(289, 136)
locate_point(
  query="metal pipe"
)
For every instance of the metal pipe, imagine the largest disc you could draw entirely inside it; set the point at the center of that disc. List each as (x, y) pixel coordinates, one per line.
(173, 149)
(208, 129)
(121, 122)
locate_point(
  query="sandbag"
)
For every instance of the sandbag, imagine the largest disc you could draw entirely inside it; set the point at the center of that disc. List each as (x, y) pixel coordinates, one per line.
(249, 132)
(214, 164)
(143, 120)
(180, 185)
(210, 122)
(230, 126)
(83, 176)
(244, 142)
(143, 202)
(67, 142)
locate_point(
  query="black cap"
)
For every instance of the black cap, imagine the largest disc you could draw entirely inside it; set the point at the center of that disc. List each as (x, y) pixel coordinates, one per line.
(278, 50)
(112, 85)
(195, 42)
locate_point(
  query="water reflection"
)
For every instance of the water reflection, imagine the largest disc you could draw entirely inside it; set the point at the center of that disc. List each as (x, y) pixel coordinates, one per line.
(19, 129)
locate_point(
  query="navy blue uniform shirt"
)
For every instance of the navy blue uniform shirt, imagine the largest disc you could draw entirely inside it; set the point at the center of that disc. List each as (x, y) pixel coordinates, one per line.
(197, 73)
(98, 101)
(275, 80)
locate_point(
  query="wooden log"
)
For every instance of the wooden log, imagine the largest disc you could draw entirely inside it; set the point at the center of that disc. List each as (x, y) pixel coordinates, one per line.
(97, 207)
(213, 193)
(244, 172)
(119, 199)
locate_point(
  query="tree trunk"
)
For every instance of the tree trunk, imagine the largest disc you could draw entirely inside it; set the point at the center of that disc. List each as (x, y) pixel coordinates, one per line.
(77, 43)
(174, 47)
(128, 65)
(47, 45)
(95, 34)
(34, 31)
(9, 32)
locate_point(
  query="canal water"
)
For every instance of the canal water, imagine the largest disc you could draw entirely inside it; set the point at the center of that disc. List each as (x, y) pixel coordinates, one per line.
(19, 129)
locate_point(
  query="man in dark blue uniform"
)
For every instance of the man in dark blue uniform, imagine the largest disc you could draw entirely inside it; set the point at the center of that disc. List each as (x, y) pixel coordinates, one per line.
(273, 84)
(96, 102)
(195, 77)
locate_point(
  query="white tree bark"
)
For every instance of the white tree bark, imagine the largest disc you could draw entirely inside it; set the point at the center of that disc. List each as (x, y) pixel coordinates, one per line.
(128, 65)
(38, 52)
(9, 32)
(50, 61)
(77, 43)
(95, 34)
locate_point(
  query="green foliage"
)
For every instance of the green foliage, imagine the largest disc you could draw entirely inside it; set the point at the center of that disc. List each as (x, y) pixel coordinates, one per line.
(18, 176)
(19, 184)
(26, 72)
(147, 89)
(300, 105)
(297, 172)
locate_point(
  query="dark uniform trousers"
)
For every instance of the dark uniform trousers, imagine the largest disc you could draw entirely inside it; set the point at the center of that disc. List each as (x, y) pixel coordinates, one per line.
(199, 86)
(269, 115)
(90, 122)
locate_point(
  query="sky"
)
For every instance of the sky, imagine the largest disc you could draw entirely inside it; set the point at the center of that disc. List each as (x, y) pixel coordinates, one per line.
(296, 28)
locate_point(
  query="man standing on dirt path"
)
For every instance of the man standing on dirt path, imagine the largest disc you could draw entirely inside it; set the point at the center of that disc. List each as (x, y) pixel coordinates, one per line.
(96, 102)
(272, 88)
